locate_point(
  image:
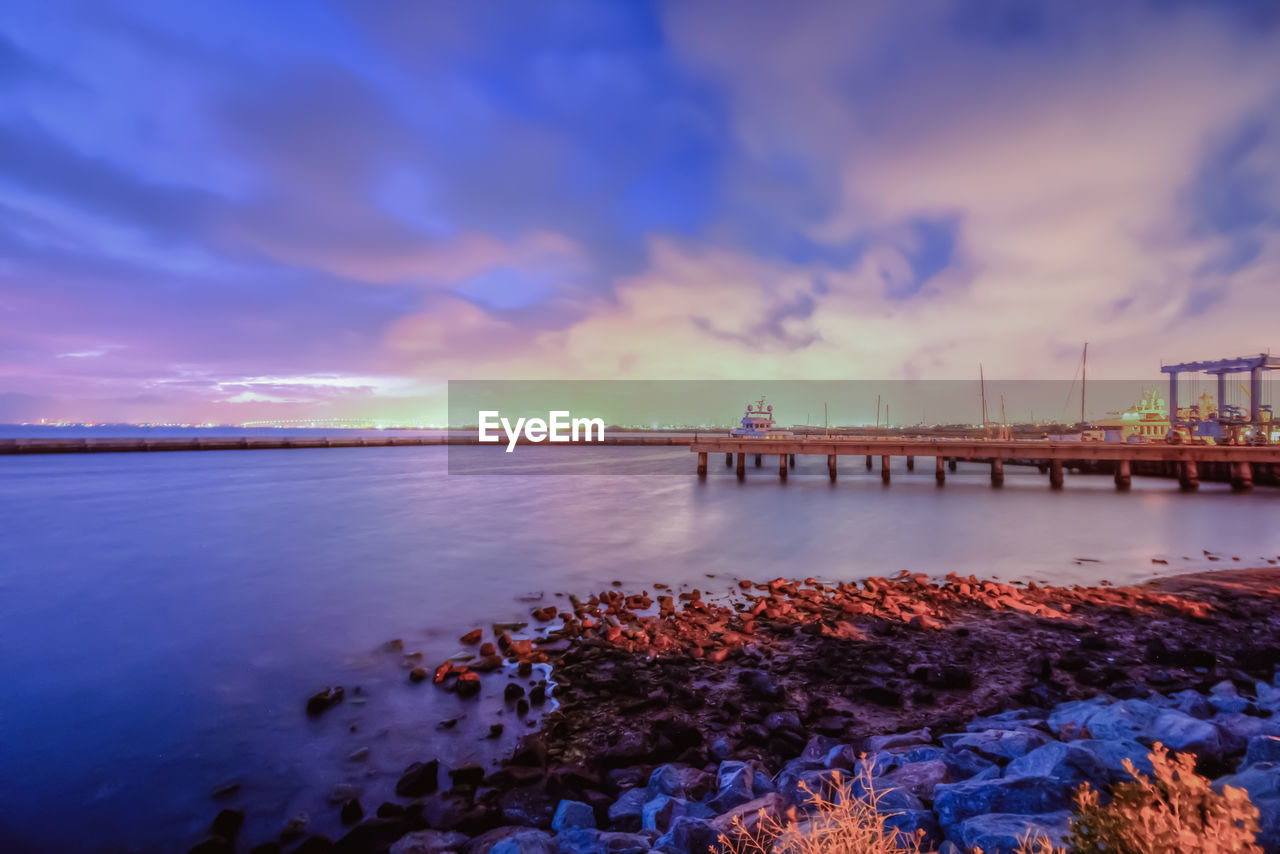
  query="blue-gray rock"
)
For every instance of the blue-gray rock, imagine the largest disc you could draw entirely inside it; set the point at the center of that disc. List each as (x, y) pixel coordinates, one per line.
(1001, 833)
(721, 749)
(878, 764)
(688, 835)
(1111, 755)
(910, 823)
(591, 841)
(1127, 719)
(967, 765)
(733, 786)
(1192, 703)
(1180, 732)
(949, 847)
(748, 816)
(762, 783)
(1060, 760)
(877, 743)
(956, 802)
(1069, 720)
(997, 743)
(1261, 748)
(924, 754)
(1029, 718)
(1225, 698)
(626, 813)
(920, 778)
(1268, 822)
(841, 756)
(786, 719)
(572, 814)
(659, 813)
(1236, 729)
(811, 786)
(512, 840)
(679, 781)
(816, 749)
(1268, 697)
(429, 842)
(887, 796)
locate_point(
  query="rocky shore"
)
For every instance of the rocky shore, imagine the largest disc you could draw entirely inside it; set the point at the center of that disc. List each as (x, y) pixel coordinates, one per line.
(979, 707)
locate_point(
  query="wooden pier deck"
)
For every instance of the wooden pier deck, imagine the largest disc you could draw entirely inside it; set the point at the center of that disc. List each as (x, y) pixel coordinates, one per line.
(1240, 463)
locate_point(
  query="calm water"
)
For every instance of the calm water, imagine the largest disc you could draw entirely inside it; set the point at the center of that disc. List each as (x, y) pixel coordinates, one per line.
(163, 617)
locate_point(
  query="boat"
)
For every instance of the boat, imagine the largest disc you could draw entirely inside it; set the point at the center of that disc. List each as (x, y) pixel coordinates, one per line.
(758, 423)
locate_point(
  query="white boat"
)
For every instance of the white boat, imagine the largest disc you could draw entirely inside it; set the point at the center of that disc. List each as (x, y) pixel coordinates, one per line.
(758, 423)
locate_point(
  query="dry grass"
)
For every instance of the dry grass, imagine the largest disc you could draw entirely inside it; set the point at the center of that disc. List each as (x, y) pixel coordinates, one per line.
(842, 823)
(1172, 812)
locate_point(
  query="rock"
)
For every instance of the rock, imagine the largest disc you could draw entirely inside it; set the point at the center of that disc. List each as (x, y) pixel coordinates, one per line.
(746, 816)
(573, 814)
(1225, 698)
(1261, 748)
(213, 845)
(1181, 732)
(512, 840)
(468, 684)
(658, 813)
(1127, 719)
(843, 756)
(1192, 703)
(1065, 761)
(920, 778)
(733, 786)
(466, 777)
(997, 744)
(418, 674)
(512, 692)
(295, 827)
(322, 701)
(419, 779)
(1268, 697)
(1237, 729)
(372, 835)
(921, 825)
(782, 720)
(686, 836)
(1069, 720)
(1111, 755)
(590, 841)
(352, 812)
(1260, 780)
(877, 743)
(1001, 833)
(227, 824)
(429, 842)
(627, 813)
(1011, 719)
(956, 802)
(679, 781)
(472, 637)
(316, 844)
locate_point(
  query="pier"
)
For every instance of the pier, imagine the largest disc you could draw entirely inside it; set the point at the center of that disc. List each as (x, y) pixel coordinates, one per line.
(61, 445)
(1240, 464)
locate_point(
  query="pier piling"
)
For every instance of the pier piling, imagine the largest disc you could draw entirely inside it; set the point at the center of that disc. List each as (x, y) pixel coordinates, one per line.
(868, 462)
(1189, 476)
(951, 463)
(791, 460)
(728, 459)
(758, 456)
(702, 464)
(742, 465)
(1241, 476)
(1055, 474)
(831, 466)
(911, 463)
(884, 468)
(1124, 474)
(940, 470)
(782, 466)
(997, 471)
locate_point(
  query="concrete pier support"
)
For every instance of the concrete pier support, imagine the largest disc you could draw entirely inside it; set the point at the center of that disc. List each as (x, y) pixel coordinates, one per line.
(884, 468)
(1189, 476)
(951, 463)
(758, 460)
(728, 459)
(742, 465)
(1124, 474)
(868, 462)
(782, 466)
(791, 460)
(831, 466)
(702, 464)
(997, 471)
(911, 463)
(1241, 476)
(1055, 474)
(940, 470)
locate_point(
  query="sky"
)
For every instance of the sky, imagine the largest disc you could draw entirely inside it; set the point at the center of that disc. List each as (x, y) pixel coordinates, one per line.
(233, 211)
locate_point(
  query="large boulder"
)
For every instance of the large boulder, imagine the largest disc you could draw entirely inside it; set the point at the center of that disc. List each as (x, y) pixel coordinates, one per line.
(1262, 782)
(997, 744)
(1127, 719)
(1225, 698)
(1261, 748)
(627, 812)
(1002, 833)
(512, 840)
(956, 802)
(921, 825)
(572, 814)
(1112, 754)
(1237, 729)
(1028, 718)
(747, 816)
(1064, 761)
(1192, 703)
(734, 786)
(1182, 733)
(679, 781)
(659, 813)
(876, 743)
(591, 841)
(920, 778)
(1070, 720)
(688, 835)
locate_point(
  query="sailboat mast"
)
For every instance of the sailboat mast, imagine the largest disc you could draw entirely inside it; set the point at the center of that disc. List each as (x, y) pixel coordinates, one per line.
(982, 387)
(1084, 375)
